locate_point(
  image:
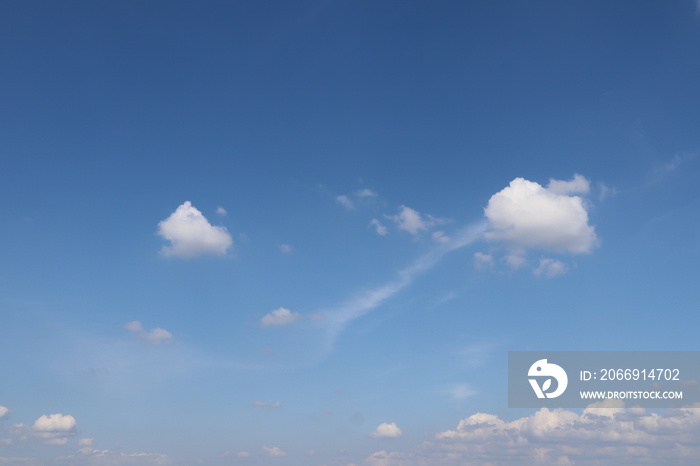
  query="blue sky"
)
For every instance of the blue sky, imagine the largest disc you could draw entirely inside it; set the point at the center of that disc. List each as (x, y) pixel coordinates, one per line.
(308, 233)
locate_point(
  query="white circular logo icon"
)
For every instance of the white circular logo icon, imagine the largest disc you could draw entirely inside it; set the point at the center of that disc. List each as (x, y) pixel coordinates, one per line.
(542, 369)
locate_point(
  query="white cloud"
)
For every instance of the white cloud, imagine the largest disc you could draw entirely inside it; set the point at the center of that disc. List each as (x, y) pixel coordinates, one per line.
(550, 268)
(336, 319)
(221, 211)
(345, 201)
(366, 192)
(273, 451)
(462, 392)
(281, 316)
(601, 434)
(155, 336)
(267, 404)
(3, 411)
(86, 442)
(414, 222)
(526, 215)
(379, 228)
(483, 260)
(383, 458)
(94, 457)
(577, 185)
(285, 248)
(515, 260)
(54, 429)
(191, 234)
(440, 237)
(243, 454)
(387, 430)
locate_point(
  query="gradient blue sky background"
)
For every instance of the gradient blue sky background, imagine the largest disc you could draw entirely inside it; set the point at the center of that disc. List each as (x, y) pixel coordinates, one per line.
(308, 233)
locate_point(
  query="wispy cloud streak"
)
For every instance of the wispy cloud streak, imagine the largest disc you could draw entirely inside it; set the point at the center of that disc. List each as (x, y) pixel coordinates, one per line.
(337, 319)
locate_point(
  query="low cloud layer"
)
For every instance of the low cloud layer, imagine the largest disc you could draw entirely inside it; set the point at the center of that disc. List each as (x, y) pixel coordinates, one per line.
(190, 234)
(604, 433)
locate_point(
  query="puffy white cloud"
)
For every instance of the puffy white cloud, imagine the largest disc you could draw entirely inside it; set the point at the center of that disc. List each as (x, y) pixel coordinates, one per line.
(191, 234)
(602, 434)
(54, 429)
(281, 316)
(221, 211)
(156, 336)
(3, 411)
(387, 430)
(273, 451)
(525, 215)
(414, 222)
(550, 268)
(378, 227)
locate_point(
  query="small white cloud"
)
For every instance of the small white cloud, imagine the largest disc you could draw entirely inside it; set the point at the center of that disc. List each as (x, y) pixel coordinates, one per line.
(281, 316)
(366, 192)
(267, 404)
(526, 215)
(605, 191)
(387, 430)
(243, 454)
(191, 234)
(273, 451)
(440, 237)
(221, 211)
(482, 260)
(86, 442)
(414, 222)
(54, 429)
(345, 201)
(550, 268)
(285, 248)
(462, 392)
(515, 261)
(577, 185)
(3, 411)
(378, 227)
(156, 336)
(384, 458)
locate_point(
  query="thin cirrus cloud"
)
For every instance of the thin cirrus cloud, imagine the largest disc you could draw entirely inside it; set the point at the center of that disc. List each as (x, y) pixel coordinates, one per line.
(336, 319)
(190, 234)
